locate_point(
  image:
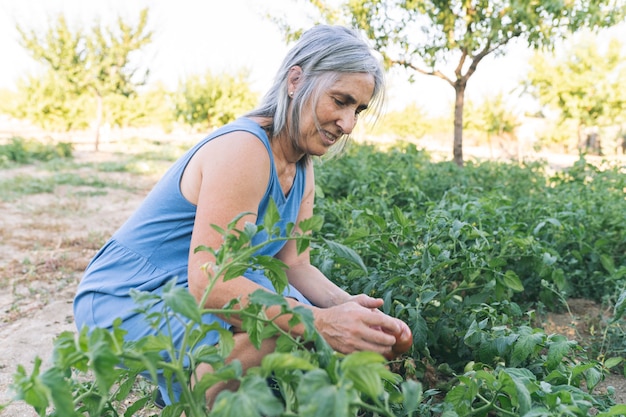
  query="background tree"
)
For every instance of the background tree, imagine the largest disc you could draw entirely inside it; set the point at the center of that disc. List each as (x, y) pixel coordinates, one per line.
(100, 63)
(429, 37)
(493, 118)
(153, 106)
(208, 101)
(51, 103)
(50, 98)
(584, 85)
(409, 122)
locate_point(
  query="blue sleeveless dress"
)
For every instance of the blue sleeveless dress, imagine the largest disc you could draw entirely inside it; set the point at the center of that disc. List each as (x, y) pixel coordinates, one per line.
(152, 248)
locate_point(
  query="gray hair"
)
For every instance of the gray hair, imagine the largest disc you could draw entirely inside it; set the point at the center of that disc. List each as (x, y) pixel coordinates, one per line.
(323, 52)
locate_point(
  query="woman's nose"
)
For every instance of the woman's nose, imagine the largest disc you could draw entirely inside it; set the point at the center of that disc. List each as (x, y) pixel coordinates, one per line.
(347, 122)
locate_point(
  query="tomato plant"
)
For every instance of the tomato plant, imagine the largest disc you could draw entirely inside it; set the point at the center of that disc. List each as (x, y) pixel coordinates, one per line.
(466, 257)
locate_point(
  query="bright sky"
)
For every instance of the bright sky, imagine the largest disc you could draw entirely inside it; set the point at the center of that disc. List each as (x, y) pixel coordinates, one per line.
(192, 36)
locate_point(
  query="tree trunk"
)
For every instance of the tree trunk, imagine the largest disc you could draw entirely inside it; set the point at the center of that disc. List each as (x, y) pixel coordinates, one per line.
(457, 149)
(98, 121)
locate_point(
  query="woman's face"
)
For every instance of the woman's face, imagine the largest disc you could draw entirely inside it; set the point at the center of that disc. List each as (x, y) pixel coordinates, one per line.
(337, 112)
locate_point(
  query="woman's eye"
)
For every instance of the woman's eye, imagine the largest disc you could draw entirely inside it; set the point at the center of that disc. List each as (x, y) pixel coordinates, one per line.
(339, 102)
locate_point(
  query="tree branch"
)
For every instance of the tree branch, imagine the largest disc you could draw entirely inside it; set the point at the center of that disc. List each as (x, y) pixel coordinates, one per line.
(435, 73)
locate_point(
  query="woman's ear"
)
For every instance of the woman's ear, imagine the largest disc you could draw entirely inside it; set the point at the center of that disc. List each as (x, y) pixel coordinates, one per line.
(293, 79)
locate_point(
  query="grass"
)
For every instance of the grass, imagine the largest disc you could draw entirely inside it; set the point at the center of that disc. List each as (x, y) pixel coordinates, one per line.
(25, 184)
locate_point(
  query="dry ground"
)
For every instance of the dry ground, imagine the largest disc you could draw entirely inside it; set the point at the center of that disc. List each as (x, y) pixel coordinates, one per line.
(46, 240)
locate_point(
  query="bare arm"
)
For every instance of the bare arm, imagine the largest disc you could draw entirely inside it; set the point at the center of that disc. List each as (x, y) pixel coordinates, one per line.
(225, 178)
(346, 321)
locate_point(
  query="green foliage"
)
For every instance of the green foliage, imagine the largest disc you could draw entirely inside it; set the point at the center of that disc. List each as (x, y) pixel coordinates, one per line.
(87, 73)
(22, 151)
(410, 122)
(457, 253)
(428, 37)
(151, 107)
(7, 100)
(464, 256)
(347, 384)
(584, 84)
(48, 102)
(208, 101)
(13, 187)
(491, 117)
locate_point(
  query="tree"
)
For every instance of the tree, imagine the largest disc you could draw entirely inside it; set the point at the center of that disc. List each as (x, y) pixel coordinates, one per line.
(584, 85)
(99, 62)
(429, 36)
(208, 101)
(493, 118)
(410, 122)
(51, 103)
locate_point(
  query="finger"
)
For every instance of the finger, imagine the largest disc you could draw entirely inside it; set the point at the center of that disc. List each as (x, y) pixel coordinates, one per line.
(380, 339)
(387, 323)
(367, 301)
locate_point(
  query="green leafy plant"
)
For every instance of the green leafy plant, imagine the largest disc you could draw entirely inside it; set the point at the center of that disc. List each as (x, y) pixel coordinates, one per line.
(22, 151)
(468, 258)
(92, 372)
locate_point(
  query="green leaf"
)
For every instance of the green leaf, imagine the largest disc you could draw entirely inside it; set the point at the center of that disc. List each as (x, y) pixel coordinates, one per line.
(136, 406)
(550, 220)
(419, 331)
(346, 253)
(523, 382)
(102, 360)
(593, 377)
(272, 217)
(31, 388)
(525, 345)
(207, 354)
(558, 348)
(275, 270)
(512, 281)
(473, 335)
(620, 307)
(267, 298)
(226, 344)
(616, 410)
(318, 397)
(249, 231)
(461, 397)
(558, 278)
(285, 361)
(302, 244)
(235, 271)
(253, 398)
(613, 362)
(607, 263)
(412, 393)
(366, 370)
(125, 386)
(312, 224)
(503, 343)
(180, 301)
(399, 216)
(230, 372)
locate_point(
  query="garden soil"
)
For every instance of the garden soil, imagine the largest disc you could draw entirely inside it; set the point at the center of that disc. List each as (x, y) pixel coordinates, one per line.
(47, 239)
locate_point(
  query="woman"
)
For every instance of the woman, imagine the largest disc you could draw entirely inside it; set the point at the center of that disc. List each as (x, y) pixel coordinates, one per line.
(327, 79)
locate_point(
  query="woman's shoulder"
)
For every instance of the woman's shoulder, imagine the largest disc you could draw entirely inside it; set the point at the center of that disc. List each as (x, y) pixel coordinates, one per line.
(235, 153)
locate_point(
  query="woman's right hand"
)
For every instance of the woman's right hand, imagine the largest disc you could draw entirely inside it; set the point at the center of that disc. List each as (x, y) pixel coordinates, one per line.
(351, 327)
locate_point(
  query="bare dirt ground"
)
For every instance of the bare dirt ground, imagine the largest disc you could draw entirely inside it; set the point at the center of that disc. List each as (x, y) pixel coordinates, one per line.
(46, 241)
